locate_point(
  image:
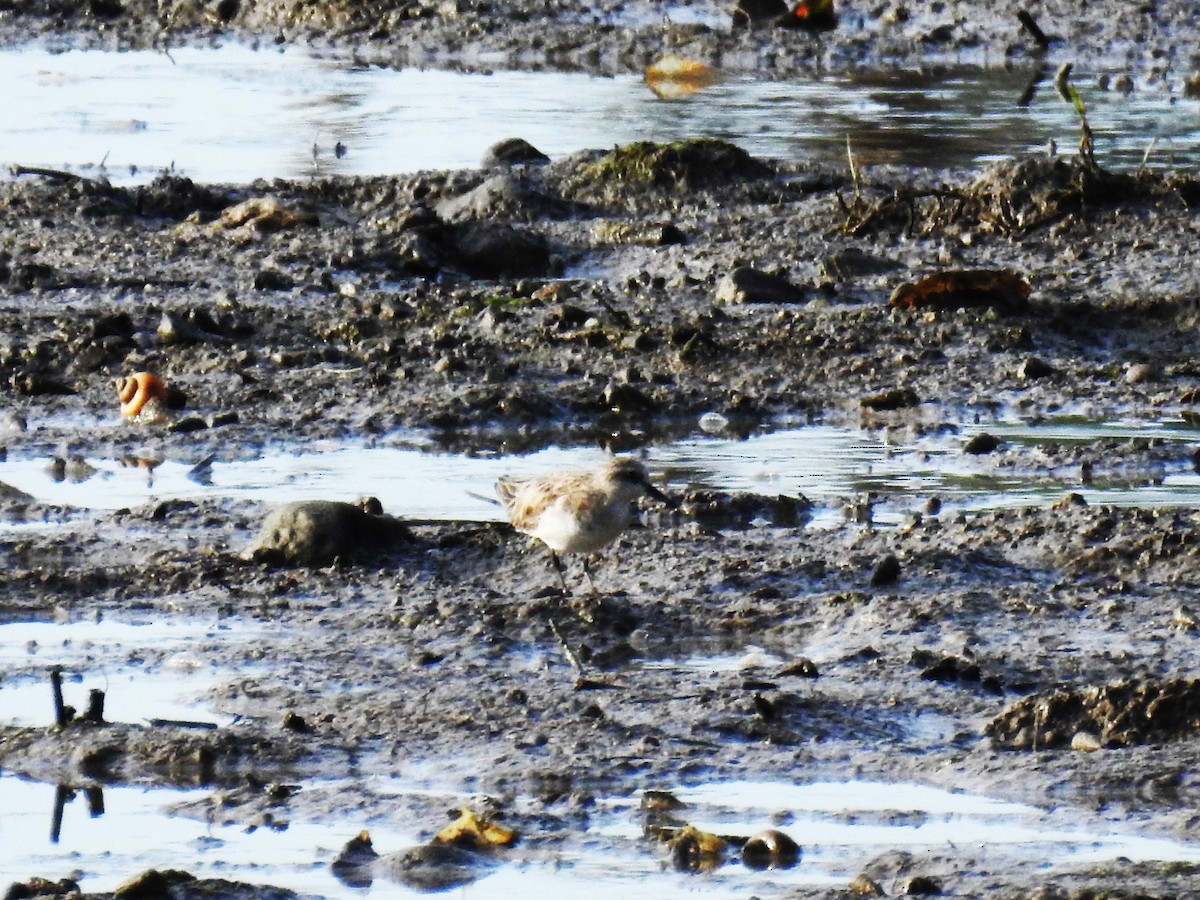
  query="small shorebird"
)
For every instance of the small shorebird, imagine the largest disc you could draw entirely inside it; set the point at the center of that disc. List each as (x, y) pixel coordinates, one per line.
(577, 512)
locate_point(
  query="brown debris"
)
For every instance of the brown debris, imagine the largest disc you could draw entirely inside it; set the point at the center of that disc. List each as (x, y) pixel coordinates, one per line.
(693, 850)
(263, 214)
(661, 801)
(997, 288)
(888, 401)
(1125, 714)
(1013, 197)
(863, 886)
(151, 884)
(42, 887)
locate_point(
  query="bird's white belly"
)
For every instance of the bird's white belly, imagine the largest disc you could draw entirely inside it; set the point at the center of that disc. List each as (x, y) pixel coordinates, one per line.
(563, 531)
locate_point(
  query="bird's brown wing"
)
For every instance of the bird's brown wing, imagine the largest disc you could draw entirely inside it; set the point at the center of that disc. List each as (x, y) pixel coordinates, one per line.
(525, 499)
(507, 489)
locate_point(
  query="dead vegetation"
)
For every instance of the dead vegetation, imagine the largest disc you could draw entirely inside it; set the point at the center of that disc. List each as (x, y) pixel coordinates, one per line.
(1012, 198)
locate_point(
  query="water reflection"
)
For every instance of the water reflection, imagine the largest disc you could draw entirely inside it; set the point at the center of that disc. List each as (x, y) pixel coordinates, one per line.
(104, 671)
(120, 830)
(64, 794)
(236, 114)
(865, 472)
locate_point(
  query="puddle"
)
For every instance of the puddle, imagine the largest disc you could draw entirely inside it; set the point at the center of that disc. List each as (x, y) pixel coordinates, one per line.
(233, 114)
(749, 659)
(149, 671)
(149, 836)
(54, 832)
(828, 465)
(859, 819)
(128, 698)
(58, 643)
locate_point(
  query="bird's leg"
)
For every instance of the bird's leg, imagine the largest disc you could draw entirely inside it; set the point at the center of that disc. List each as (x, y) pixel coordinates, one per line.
(558, 567)
(588, 575)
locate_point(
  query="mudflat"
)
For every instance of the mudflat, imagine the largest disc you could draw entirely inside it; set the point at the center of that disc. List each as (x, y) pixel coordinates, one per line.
(1054, 646)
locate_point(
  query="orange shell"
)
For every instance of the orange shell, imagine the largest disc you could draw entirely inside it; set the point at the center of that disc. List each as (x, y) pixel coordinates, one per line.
(135, 391)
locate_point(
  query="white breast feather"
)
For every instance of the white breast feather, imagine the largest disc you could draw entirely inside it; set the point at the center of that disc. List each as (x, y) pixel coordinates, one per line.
(557, 528)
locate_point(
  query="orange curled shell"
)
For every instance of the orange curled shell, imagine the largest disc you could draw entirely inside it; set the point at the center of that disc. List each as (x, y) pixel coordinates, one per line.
(135, 391)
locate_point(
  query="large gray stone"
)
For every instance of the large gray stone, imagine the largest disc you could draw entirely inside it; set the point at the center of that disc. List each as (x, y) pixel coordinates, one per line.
(317, 532)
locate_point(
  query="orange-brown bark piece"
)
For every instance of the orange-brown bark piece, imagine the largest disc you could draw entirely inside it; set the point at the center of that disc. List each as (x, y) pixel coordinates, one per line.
(998, 288)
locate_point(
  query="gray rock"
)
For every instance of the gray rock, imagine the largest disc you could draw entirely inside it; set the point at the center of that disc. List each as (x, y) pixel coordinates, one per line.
(433, 867)
(317, 532)
(981, 444)
(494, 251)
(1034, 367)
(886, 571)
(8, 492)
(416, 253)
(855, 263)
(502, 196)
(747, 285)
(429, 867)
(515, 152)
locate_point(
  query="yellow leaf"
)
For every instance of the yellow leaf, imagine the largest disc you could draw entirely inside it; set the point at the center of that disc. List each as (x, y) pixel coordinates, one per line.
(473, 833)
(676, 76)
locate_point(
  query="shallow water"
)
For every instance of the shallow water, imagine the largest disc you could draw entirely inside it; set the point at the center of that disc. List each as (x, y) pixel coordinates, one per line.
(234, 114)
(147, 670)
(840, 825)
(831, 466)
(130, 698)
(148, 836)
(751, 657)
(868, 817)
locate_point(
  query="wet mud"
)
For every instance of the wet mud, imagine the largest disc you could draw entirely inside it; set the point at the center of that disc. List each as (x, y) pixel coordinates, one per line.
(615, 298)
(1150, 41)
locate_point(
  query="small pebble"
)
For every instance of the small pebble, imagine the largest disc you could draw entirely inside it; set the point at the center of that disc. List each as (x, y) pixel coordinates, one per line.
(1034, 368)
(886, 571)
(980, 444)
(1184, 619)
(1138, 373)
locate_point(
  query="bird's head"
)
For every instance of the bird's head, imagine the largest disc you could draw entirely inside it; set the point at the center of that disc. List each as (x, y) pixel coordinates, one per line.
(632, 475)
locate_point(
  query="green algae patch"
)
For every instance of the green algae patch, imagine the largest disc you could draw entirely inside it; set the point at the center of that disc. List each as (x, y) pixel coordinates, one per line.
(699, 163)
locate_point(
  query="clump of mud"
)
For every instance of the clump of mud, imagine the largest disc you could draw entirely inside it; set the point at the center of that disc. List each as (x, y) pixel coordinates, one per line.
(690, 165)
(1016, 197)
(1124, 714)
